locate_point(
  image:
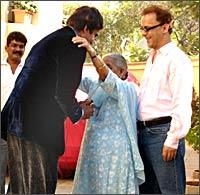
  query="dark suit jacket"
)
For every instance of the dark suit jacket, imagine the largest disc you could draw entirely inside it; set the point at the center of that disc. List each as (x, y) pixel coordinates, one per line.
(44, 92)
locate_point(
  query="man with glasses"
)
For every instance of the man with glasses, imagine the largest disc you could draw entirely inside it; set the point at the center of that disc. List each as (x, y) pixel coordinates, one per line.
(43, 96)
(164, 106)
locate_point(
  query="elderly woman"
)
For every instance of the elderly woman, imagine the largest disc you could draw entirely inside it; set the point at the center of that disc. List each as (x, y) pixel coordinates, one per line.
(109, 160)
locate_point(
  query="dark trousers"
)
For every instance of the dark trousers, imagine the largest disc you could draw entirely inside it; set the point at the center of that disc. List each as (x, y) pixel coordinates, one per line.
(32, 169)
(3, 163)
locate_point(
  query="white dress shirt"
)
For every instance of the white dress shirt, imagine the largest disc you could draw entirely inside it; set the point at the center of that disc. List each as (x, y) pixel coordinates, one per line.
(166, 90)
(8, 80)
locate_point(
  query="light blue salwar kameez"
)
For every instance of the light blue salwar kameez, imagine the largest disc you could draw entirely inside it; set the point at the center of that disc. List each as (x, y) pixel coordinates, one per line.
(109, 161)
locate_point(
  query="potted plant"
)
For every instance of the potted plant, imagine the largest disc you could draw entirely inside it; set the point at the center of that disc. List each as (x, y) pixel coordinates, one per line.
(23, 11)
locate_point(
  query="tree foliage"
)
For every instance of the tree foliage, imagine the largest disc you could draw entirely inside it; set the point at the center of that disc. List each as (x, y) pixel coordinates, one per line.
(193, 135)
(121, 32)
(186, 25)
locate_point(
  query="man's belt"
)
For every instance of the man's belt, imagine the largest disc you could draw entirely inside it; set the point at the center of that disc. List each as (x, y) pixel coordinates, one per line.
(154, 122)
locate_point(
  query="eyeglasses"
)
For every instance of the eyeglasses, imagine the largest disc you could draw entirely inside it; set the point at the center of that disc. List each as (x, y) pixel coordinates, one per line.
(148, 28)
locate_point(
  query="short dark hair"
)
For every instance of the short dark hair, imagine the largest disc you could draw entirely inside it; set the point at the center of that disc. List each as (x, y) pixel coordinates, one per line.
(86, 16)
(17, 36)
(163, 15)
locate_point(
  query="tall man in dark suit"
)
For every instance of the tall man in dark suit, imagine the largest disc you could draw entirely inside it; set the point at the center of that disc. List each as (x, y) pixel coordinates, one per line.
(43, 96)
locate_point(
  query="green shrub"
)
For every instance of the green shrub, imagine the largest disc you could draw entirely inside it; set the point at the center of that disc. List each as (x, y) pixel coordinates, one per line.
(25, 5)
(193, 135)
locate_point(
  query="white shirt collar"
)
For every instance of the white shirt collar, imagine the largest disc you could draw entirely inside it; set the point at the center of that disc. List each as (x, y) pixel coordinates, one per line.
(167, 47)
(4, 62)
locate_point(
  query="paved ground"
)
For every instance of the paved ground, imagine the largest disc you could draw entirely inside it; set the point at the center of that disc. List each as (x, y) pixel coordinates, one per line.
(191, 163)
(64, 186)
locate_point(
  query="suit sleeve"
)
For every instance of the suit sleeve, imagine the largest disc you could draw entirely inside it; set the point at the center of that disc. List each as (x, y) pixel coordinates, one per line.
(69, 71)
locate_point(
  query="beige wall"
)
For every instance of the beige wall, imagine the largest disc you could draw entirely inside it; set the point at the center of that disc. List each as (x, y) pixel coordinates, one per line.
(49, 20)
(195, 63)
(137, 69)
(4, 13)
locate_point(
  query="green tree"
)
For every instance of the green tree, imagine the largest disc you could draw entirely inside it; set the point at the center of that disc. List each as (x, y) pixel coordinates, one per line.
(121, 32)
(186, 25)
(193, 135)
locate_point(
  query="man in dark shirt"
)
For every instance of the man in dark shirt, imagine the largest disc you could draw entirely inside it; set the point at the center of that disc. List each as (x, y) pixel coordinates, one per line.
(43, 96)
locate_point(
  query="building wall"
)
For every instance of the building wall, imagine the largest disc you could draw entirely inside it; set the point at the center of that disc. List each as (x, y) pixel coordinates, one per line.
(49, 19)
(4, 13)
(137, 69)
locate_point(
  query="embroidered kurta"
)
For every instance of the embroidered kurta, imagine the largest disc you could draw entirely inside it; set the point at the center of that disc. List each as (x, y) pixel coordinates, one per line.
(109, 161)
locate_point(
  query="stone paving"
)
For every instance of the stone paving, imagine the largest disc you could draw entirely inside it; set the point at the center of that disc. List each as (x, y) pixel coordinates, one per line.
(191, 164)
(64, 186)
(191, 161)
